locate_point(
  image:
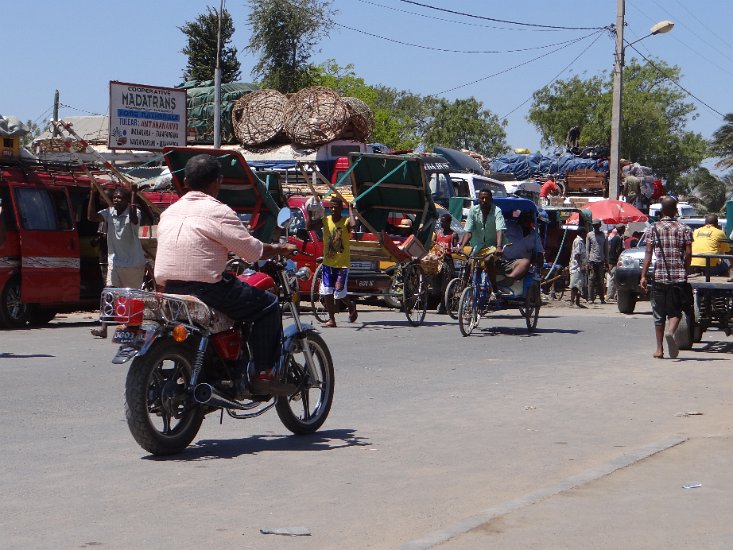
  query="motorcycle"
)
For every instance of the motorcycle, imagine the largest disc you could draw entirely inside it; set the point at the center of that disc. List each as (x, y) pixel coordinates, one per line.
(187, 361)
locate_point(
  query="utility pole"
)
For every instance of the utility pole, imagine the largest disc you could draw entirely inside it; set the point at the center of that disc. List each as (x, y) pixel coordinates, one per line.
(618, 71)
(217, 84)
(56, 114)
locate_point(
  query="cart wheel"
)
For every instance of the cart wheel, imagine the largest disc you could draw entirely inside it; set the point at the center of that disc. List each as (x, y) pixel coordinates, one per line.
(684, 336)
(532, 306)
(468, 316)
(414, 295)
(452, 298)
(317, 306)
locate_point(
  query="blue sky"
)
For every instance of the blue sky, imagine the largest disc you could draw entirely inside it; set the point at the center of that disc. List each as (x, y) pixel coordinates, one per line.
(78, 46)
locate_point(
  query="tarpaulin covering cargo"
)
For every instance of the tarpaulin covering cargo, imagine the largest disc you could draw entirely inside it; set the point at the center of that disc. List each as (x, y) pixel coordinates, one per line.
(200, 109)
(526, 166)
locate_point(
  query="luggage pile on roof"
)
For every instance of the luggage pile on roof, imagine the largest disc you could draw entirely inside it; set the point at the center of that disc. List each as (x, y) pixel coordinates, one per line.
(310, 117)
(526, 166)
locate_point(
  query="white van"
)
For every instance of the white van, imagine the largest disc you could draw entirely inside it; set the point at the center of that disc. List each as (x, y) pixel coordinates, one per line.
(469, 186)
(684, 210)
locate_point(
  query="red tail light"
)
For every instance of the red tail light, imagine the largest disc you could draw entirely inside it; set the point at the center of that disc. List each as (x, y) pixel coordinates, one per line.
(129, 311)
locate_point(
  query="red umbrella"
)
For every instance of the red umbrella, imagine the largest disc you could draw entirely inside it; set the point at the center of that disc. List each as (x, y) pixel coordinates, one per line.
(612, 212)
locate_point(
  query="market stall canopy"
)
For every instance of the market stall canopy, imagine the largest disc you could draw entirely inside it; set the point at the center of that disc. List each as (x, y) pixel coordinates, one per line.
(612, 212)
(392, 183)
(257, 199)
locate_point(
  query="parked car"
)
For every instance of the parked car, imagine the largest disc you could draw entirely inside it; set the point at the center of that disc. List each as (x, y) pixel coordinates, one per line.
(628, 268)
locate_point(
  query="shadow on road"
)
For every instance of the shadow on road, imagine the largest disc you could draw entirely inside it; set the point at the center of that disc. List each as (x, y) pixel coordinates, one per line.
(522, 331)
(717, 347)
(209, 449)
(405, 323)
(5, 355)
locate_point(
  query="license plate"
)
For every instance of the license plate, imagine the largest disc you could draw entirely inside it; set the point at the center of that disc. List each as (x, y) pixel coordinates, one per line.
(362, 265)
(124, 336)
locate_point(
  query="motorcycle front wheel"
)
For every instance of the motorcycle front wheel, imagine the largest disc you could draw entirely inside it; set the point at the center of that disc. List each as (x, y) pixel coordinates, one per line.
(162, 416)
(306, 410)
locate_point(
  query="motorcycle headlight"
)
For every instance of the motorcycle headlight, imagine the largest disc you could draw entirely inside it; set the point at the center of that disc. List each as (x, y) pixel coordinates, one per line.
(303, 274)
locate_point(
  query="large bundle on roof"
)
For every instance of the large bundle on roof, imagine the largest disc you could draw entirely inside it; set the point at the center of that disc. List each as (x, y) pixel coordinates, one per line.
(200, 109)
(315, 116)
(361, 120)
(259, 117)
(527, 166)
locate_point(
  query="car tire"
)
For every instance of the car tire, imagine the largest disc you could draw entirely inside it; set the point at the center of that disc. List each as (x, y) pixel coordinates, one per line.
(626, 301)
(683, 336)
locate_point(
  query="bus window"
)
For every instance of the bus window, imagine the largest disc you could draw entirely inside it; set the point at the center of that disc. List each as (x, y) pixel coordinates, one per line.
(43, 210)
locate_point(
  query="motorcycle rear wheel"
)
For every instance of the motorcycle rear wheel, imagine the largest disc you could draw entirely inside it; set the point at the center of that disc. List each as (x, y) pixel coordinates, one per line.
(307, 409)
(162, 417)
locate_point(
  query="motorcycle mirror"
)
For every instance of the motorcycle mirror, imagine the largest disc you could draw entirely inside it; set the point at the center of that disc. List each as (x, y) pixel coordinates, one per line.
(284, 218)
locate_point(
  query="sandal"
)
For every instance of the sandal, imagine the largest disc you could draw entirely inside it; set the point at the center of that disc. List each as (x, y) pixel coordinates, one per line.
(99, 333)
(658, 355)
(353, 314)
(329, 324)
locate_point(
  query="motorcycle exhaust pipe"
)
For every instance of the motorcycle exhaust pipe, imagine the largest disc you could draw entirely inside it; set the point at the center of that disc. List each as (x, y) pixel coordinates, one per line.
(205, 394)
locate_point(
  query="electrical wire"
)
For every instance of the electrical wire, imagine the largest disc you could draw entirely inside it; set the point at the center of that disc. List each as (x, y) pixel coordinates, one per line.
(673, 81)
(503, 71)
(706, 27)
(436, 18)
(435, 49)
(565, 68)
(521, 23)
(77, 109)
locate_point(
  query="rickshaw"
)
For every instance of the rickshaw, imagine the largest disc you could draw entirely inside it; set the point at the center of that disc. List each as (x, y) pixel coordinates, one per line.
(387, 188)
(476, 299)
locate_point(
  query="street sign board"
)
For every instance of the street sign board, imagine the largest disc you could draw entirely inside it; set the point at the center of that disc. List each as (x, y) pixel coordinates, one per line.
(146, 117)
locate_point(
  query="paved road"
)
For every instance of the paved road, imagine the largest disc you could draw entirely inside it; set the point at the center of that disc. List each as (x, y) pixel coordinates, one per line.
(428, 431)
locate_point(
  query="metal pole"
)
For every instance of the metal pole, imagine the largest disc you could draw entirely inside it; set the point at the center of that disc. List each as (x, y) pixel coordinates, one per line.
(217, 85)
(56, 113)
(618, 71)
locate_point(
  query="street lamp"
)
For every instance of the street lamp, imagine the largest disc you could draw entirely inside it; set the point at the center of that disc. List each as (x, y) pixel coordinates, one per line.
(618, 70)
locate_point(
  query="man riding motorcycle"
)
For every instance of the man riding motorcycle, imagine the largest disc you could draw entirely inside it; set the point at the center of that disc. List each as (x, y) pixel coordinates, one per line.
(195, 236)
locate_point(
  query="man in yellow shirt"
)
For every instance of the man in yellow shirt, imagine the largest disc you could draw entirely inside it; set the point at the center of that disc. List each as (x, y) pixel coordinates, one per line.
(710, 239)
(336, 256)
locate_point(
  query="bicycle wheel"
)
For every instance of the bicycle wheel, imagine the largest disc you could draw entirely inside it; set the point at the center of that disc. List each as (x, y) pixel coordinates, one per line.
(532, 306)
(414, 295)
(317, 306)
(452, 298)
(468, 316)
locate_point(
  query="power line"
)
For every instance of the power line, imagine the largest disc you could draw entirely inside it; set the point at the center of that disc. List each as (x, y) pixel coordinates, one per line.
(706, 27)
(515, 66)
(80, 110)
(521, 23)
(433, 48)
(436, 18)
(565, 68)
(673, 81)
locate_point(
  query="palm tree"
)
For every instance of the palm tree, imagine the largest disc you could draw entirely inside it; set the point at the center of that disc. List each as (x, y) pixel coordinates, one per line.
(722, 143)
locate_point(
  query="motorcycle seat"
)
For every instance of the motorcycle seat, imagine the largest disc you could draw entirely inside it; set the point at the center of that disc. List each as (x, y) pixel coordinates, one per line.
(201, 314)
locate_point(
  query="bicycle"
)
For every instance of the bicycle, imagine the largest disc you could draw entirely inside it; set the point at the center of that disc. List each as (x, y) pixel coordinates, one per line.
(476, 299)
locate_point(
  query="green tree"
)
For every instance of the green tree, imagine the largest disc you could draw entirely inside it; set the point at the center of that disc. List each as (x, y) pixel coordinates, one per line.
(400, 117)
(284, 34)
(465, 124)
(201, 47)
(705, 190)
(722, 143)
(654, 118)
(34, 130)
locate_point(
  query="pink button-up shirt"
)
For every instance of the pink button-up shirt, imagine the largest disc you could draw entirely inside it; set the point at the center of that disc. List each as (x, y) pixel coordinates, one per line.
(195, 235)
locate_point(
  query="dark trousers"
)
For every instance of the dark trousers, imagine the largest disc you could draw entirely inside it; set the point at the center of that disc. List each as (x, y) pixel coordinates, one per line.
(596, 274)
(246, 303)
